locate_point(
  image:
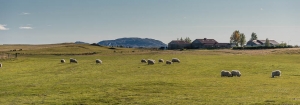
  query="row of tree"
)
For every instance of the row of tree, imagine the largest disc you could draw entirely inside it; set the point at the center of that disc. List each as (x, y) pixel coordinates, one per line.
(239, 39)
(187, 39)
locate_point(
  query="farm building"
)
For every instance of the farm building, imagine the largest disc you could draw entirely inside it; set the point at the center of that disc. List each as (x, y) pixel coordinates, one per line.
(198, 44)
(254, 43)
(209, 43)
(177, 44)
(203, 43)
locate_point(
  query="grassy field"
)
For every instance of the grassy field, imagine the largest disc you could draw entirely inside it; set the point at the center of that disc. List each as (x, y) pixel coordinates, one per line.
(38, 77)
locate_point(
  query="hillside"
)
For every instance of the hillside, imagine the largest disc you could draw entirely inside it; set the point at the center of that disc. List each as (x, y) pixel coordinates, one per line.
(133, 42)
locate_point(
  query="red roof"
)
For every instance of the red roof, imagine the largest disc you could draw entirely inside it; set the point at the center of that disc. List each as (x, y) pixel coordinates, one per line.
(206, 41)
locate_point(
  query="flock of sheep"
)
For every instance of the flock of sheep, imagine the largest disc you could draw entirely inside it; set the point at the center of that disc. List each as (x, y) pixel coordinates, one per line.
(152, 62)
(237, 73)
(72, 60)
(224, 73)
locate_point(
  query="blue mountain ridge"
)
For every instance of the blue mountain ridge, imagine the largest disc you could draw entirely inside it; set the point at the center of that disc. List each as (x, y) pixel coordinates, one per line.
(133, 42)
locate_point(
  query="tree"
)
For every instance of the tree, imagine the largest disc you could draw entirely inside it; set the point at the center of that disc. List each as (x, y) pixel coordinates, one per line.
(188, 40)
(267, 44)
(253, 36)
(242, 39)
(181, 39)
(235, 37)
(282, 44)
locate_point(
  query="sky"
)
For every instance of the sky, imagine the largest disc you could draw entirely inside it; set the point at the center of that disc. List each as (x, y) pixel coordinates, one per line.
(59, 21)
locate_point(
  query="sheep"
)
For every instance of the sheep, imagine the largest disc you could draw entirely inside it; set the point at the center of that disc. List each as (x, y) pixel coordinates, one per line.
(175, 60)
(62, 61)
(98, 61)
(236, 73)
(161, 60)
(0, 64)
(226, 73)
(151, 62)
(168, 62)
(72, 60)
(276, 73)
(144, 61)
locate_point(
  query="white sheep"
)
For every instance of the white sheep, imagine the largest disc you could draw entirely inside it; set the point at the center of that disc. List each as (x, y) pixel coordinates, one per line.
(1, 65)
(161, 60)
(98, 61)
(144, 61)
(151, 62)
(225, 73)
(276, 73)
(236, 73)
(168, 62)
(175, 60)
(72, 60)
(62, 60)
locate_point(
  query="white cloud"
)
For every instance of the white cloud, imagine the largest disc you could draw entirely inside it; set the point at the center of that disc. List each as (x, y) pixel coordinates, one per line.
(26, 27)
(25, 13)
(261, 9)
(2, 27)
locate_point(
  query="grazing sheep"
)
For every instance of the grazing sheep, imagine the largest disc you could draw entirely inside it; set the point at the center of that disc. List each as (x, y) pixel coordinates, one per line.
(175, 60)
(72, 60)
(226, 73)
(276, 73)
(151, 62)
(161, 60)
(168, 62)
(98, 61)
(62, 60)
(236, 73)
(144, 61)
(0, 64)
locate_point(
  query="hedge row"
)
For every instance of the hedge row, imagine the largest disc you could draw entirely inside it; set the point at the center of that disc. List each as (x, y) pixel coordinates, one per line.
(261, 47)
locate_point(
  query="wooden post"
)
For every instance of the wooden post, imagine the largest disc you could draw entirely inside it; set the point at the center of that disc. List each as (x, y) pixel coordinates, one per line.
(16, 55)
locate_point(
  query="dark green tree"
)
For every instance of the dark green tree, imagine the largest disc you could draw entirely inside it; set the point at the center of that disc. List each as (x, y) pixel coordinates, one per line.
(188, 40)
(253, 36)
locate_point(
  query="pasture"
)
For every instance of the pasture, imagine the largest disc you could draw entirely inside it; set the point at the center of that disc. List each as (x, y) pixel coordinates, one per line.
(38, 77)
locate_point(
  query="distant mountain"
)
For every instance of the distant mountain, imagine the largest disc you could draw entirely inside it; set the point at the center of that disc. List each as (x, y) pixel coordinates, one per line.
(133, 42)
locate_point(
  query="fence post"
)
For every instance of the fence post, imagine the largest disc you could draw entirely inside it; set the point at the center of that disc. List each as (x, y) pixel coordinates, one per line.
(16, 55)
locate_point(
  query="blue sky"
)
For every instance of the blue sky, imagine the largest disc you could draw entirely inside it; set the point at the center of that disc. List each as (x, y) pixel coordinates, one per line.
(58, 21)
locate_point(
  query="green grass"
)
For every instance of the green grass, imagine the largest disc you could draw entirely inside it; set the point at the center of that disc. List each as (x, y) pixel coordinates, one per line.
(122, 79)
